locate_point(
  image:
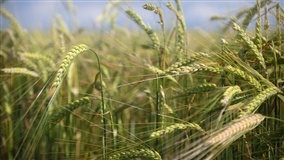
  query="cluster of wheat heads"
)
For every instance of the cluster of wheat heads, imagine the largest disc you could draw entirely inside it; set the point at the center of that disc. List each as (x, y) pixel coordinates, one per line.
(239, 77)
(184, 105)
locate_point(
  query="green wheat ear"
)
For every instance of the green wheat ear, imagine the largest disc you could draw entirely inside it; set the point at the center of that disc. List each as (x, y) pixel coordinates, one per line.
(67, 109)
(67, 62)
(229, 94)
(187, 62)
(250, 79)
(253, 105)
(16, 70)
(250, 43)
(180, 27)
(40, 57)
(149, 31)
(175, 127)
(200, 67)
(252, 11)
(161, 73)
(205, 87)
(156, 10)
(136, 153)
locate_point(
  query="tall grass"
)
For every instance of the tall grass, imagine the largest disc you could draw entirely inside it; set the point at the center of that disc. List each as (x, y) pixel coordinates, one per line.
(149, 94)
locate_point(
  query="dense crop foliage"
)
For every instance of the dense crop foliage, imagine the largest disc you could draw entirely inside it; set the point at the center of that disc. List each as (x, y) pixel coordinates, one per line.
(164, 93)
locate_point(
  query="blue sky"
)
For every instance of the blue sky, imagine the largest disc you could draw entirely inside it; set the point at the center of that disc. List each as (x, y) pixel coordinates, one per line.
(39, 14)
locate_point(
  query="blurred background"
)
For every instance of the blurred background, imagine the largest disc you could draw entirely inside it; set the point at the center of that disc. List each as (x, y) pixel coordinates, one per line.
(94, 14)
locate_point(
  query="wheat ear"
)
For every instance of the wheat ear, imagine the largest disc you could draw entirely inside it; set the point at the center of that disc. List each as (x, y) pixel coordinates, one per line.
(156, 10)
(67, 109)
(250, 79)
(205, 87)
(136, 153)
(29, 63)
(161, 73)
(188, 61)
(67, 61)
(195, 68)
(252, 11)
(229, 94)
(181, 27)
(174, 127)
(253, 105)
(16, 70)
(177, 13)
(250, 43)
(258, 36)
(40, 57)
(153, 36)
(212, 144)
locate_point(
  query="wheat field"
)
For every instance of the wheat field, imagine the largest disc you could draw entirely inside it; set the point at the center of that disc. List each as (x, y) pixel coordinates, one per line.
(166, 93)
